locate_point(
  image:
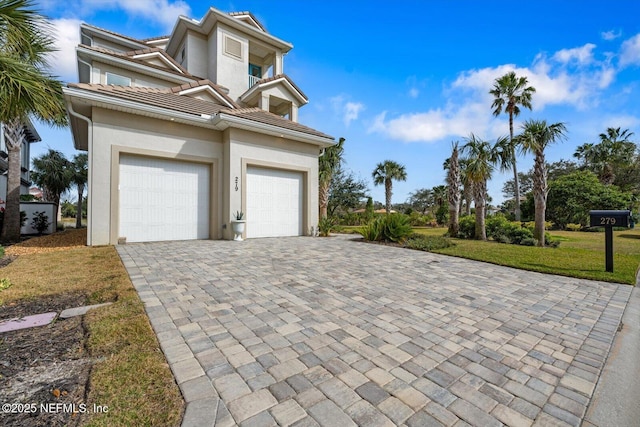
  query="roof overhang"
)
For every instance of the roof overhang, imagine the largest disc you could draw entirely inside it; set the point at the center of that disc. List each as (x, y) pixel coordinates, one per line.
(208, 22)
(282, 81)
(210, 91)
(90, 30)
(83, 52)
(82, 101)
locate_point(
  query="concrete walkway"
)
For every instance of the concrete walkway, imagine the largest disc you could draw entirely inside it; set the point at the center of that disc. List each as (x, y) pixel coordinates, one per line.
(331, 332)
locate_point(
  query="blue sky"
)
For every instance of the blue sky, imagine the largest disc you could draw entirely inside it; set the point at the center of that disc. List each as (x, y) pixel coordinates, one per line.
(402, 80)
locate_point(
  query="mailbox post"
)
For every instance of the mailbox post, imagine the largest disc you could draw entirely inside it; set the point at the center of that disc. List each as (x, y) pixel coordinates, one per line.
(608, 220)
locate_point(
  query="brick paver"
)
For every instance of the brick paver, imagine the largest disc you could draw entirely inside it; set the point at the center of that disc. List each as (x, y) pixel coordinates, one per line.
(319, 331)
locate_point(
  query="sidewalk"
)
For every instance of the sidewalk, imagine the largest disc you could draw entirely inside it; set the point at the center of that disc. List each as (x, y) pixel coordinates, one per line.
(616, 399)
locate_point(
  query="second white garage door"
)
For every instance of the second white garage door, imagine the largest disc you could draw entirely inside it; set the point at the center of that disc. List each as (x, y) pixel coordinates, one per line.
(274, 202)
(163, 199)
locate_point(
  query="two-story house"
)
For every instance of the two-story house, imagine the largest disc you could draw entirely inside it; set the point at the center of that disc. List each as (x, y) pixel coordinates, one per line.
(30, 136)
(185, 130)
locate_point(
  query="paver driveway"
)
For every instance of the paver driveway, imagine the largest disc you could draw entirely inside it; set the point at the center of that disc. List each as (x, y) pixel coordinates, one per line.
(332, 332)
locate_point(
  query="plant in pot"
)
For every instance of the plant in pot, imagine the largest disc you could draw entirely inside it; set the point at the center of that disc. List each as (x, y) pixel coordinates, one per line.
(237, 225)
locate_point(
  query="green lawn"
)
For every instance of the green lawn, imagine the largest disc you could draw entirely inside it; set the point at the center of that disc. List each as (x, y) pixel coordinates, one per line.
(581, 254)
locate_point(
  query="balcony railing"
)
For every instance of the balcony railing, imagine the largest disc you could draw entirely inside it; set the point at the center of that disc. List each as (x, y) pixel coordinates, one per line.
(253, 80)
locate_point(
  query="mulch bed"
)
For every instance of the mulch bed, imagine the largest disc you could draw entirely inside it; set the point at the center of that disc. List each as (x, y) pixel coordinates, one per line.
(44, 365)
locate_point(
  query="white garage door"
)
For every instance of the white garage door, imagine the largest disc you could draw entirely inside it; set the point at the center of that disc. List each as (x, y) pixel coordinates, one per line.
(163, 199)
(274, 202)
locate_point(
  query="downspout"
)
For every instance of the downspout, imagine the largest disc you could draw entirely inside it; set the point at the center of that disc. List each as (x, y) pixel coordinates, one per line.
(90, 164)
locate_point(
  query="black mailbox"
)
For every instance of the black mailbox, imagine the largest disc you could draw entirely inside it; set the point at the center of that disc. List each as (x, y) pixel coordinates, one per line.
(609, 218)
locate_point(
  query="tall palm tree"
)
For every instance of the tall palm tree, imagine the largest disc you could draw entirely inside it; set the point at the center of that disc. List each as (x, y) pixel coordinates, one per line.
(328, 162)
(481, 158)
(538, 135)
(53, 173)
(26, 89)
(510, 92)
(79, 179)
(453, 184)
(385, 173)
(609, 157)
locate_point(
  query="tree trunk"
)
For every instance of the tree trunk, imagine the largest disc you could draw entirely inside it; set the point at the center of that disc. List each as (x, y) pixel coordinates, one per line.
(479, 193)
(540, 196)
(79, 209)
(14, 134)
(453, 181)
(516, 181)
(324, 198)
(387, 191)
(468, 190)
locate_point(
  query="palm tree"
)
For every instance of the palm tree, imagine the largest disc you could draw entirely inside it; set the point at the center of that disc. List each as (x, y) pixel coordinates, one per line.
(25, 89)
(53, 173)
(453, 184)
(536, 136)
(385, 173)
(510, 92)
(79, 179)
(609, 157)
(328, 162)
(481, 158)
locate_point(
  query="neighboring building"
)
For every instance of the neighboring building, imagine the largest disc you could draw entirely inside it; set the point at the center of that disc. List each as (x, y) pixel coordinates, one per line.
(182, 131)
(30, 136)
(36, 192)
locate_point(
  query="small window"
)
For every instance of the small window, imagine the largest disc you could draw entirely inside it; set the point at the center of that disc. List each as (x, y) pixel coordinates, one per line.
(233, 47)
(115, 79)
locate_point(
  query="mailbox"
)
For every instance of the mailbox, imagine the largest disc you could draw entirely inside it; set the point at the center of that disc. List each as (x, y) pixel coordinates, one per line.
(609, 218)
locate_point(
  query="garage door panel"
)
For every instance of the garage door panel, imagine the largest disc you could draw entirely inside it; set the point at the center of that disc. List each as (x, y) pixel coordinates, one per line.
(163, 199)
(274, 202)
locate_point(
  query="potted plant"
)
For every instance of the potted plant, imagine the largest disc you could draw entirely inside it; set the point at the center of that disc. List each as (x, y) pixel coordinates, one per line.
(237, 225)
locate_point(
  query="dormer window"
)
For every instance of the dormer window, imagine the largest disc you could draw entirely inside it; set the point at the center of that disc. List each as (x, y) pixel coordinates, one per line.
(118, 80)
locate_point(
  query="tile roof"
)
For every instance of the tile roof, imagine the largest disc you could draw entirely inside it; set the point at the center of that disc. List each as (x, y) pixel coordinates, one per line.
(130, 57)
(258, 115)
(205, 82)
(247, 13)
(282, 76)
(169, 99)
(114, 33)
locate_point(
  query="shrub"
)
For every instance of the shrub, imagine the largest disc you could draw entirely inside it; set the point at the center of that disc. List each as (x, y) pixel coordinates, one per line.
(517, 235)
(40, 222)
(372, 231)
(396, 228)
(529, 241)
(467, 227)
(442, 215)
(23, 218)
(497, 225)
(390, 228)
(427, 243)
(548, 241)
(501, 238)
(326, 225)
(531, 225)
(416, 219)
(573, 227)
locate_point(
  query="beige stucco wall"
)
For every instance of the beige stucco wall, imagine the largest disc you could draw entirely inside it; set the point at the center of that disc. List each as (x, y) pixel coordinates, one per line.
(115, 132)
(252, 149)
(232, 72)
(229, 153)
(197, 54)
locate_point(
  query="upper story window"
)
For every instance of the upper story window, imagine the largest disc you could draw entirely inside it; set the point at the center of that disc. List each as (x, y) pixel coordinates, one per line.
(232, 47)
(183, 55)
(116, 79)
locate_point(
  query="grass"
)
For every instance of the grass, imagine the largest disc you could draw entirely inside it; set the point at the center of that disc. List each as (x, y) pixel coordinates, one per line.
(581, 254)
(131, 377)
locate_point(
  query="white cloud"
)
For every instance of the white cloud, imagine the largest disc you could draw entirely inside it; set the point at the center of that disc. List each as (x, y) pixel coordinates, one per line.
(414, 92)
(163, 13)
(582, 55)
(63, 61)
(610, 35)
(630, 51)
(348, 110)
(572, 77)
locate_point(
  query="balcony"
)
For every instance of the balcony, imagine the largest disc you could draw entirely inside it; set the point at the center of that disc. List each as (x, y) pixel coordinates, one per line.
(253, 80)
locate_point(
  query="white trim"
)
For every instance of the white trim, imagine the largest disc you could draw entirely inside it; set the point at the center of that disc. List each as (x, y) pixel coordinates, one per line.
(161, 57)
(220, 121)
(134, 66)
(108, 35)
(207, 89)
(258, 87)
(223, 121)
